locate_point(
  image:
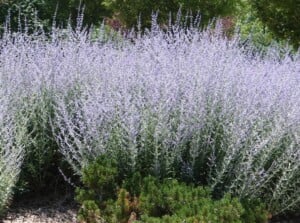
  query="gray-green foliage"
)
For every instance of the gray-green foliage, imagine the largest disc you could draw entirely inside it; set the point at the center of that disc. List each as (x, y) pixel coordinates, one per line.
(11, 157)
(12, 135)
(41, 161)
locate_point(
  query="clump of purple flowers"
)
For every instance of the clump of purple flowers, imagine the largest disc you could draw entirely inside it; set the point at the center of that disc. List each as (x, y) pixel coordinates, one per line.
(178, 103)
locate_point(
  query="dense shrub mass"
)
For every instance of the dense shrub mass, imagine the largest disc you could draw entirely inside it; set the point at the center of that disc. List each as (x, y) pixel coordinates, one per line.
(280, 17)
(12, 135)
(179, 104)
(152, 200)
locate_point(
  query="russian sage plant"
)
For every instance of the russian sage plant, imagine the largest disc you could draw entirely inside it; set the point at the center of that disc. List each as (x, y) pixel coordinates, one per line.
(177, 103)
(11, 151)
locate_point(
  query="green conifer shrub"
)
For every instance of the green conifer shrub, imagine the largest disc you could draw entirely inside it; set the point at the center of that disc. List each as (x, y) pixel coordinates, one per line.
(154, 200)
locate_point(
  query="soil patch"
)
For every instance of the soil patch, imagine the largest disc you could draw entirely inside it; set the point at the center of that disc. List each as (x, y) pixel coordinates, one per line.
(48, 209)
(63, 209)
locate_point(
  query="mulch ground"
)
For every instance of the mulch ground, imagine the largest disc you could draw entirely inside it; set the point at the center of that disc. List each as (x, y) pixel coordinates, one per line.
(63, 209)
(47, 209)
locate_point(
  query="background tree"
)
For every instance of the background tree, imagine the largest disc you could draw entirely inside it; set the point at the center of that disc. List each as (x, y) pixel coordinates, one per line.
(94, 11)
(130, 11)
(44, 10)
(267, 19)
(281, 17)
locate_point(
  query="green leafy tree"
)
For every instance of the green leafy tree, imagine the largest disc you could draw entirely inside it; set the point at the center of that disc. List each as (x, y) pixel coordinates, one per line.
(129, 12)
(43, 12)
(94, 11)
(281, 17)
